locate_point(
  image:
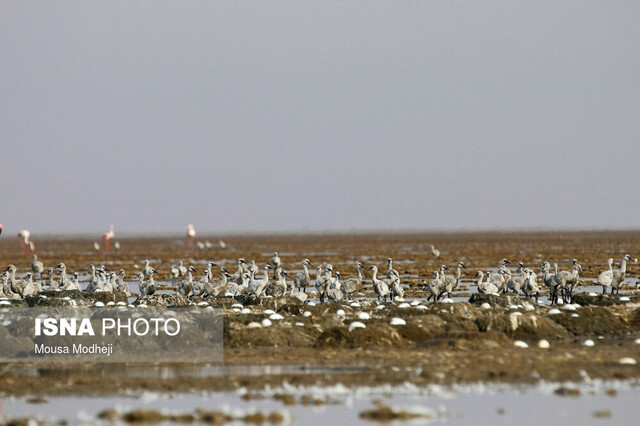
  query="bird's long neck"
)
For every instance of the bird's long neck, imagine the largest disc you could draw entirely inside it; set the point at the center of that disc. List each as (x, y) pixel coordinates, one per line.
(623, 266)
(358, 273)
(480, 277)
(458, 272)
(306, 270)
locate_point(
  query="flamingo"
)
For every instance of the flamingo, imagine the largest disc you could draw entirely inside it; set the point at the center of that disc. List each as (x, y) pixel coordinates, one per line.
(107, 237)
(27, 245)
(0, 229)
(191, 236)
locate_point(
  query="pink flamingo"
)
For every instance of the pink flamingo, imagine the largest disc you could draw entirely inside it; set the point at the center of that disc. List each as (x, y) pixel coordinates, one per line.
(0, 229)
(107, 237)
(27, 245)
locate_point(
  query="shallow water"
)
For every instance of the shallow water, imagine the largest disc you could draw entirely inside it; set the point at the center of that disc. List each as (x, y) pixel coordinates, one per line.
(460, 405)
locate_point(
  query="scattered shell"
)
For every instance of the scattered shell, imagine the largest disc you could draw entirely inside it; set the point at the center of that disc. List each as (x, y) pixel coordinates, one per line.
(354, 304)
(637, 341)
(203, 304)
(415, 303)
(209, 308)
(254, 324)
(569, 307)
(627, 361)
(68, 298)
(356, 324)
(485, 305)
(236, 310)
(422, 308)
(237, 305)
(306, 314)
(553, 311)
(340, 312)
(4, 302)
(363, 316)
(529, 308)
(592, 294)
(269, 312)
(520, 344)
(543, 344)
(575, 316)
(6, 323)
(311, 303)
(624, 299)
(516, 314)
(398, 321)
(447, 300)
(380, 307)
(590, 343)
(404, 305)
(245, 311)
(266, 322)
(121, 304)
(512, 307)
(97, 304)
(112, 303)
(276, 317)
(300, 324)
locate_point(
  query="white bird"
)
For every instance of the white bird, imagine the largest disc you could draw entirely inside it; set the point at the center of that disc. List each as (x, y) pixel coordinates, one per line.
(278, 288)
(396, 291)
(531, 286)
(323, 279)
(275, 264)
(451, 282)
(380, 287)
(614, 277)
(36, 266)
(121, 285)
(96, 246)
(435, 252)
(486, 287)
(186, 286)
(333, 292)
(256, 287)
(435, 288)
(353, 284)
(149, 287)
(517, 282)
(565, 281)
(391, 271)
(302, 280)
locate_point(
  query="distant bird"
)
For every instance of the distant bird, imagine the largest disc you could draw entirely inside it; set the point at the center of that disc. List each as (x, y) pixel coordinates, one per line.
(27, 245)
(116, 246)
(380, 287)
(107, 237)
(96, 246)
(222, 244)
(275, 264)
(334, 291)
(256, 287)
(191, 236)
(302, 279)
(435, 252)
(486, 287)
(0, 229)
(614, 277)
(353, 284)
(36, 266)
(278, 288)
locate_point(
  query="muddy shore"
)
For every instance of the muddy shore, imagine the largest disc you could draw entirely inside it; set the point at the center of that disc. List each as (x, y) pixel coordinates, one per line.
(446, 343)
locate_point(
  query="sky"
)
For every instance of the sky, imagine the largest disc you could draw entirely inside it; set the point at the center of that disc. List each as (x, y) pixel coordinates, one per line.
(318, 115)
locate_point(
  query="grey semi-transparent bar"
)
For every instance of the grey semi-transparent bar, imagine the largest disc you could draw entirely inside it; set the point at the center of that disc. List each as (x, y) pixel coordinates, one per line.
(119, 334)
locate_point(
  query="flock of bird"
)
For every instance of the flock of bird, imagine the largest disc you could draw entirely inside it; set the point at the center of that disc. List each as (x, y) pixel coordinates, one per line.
(329, 285)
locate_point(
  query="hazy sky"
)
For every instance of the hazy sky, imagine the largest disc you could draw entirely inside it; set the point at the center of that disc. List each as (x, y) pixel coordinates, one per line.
(270, 115)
